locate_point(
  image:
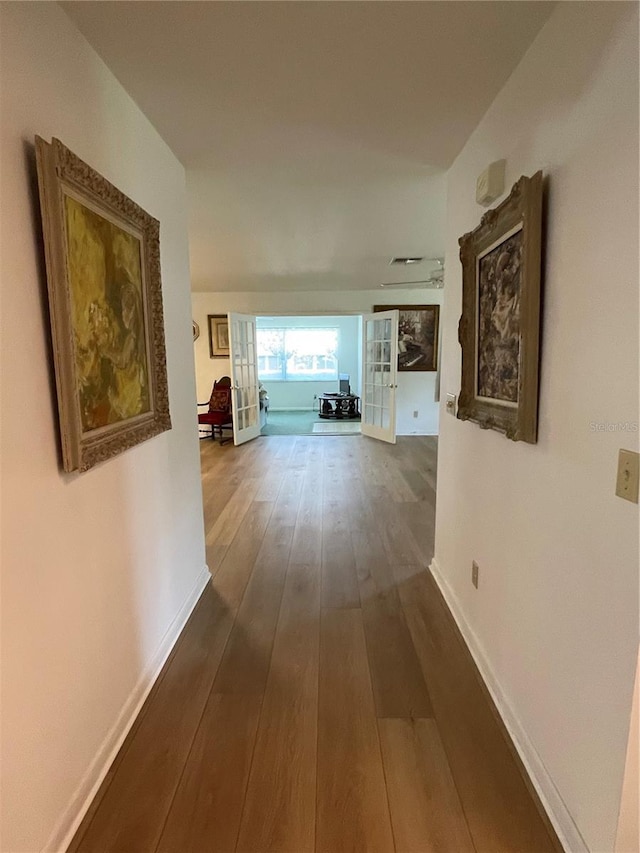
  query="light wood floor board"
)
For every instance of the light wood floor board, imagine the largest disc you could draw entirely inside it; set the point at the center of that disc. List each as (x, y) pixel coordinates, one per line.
(320, 698)
(500, 811)
(233, 574)
(398, 683)
(339, 579)
(426, 812)
(136, 795)
(205, 813)
(247, 657)
(279, 814)
(353, 812)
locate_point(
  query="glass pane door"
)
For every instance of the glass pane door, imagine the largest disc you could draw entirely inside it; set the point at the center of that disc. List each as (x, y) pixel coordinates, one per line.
(379, 380)
(244, 377)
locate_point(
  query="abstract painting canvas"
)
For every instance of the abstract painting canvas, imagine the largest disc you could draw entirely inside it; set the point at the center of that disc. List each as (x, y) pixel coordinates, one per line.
(499, 285)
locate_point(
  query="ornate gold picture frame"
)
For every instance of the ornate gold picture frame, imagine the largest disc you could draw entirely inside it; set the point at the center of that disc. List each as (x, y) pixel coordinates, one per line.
(105, 296)
(499, 329)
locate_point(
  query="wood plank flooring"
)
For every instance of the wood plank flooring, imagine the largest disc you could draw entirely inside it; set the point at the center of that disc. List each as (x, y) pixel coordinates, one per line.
(320, 698)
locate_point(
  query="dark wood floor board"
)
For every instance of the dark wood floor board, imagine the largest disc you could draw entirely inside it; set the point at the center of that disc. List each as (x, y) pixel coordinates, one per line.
(353, 812)
(426, 813)
(137, 795)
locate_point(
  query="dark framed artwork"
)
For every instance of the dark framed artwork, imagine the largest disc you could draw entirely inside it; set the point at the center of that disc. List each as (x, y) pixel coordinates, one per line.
(218, 335)
(418, 329)
(105, 296)
(499, 329)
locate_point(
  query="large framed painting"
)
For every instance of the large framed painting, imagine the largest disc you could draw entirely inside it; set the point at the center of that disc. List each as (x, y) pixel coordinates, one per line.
(417, 335)
(105, 296)
(499, 329)
(218, 335)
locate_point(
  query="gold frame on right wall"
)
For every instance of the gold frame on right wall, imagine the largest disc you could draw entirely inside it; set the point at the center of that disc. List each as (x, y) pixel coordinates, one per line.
(499, 329)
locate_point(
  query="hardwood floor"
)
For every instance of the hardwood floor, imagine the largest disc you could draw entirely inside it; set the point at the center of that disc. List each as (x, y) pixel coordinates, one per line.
(320, 697)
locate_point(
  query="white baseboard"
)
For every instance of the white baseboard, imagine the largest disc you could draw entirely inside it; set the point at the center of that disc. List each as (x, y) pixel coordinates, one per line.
(68, 824)
(568, 833)
(293, 409)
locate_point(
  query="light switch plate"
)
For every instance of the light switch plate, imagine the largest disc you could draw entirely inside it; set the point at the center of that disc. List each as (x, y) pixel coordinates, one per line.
(628, 471)
(450, 404)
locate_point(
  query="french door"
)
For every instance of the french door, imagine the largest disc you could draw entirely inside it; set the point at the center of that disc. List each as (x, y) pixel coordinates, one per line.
(244, 377)
(379, 375)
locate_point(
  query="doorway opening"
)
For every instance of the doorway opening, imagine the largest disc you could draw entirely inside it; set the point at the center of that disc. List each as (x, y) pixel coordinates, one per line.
(309, 373)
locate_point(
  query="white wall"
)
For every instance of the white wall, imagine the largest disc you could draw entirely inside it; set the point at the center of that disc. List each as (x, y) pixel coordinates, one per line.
(416, 391)
(555, 620)
(300, 395)
(95, 567)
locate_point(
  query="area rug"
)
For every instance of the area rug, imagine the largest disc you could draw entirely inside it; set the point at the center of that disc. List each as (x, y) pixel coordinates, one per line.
(337, 428)
(298, 422)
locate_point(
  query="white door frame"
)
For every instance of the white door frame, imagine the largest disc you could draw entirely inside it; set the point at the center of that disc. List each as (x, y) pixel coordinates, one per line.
(243, 367)
(379, 375)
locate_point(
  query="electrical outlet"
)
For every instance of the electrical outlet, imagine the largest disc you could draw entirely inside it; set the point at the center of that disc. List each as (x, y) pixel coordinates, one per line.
(415, 413)
(627, 480)
(475, 574)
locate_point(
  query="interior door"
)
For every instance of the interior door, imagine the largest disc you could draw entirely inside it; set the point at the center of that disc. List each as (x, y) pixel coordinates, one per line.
(379, 374)
(244, 377)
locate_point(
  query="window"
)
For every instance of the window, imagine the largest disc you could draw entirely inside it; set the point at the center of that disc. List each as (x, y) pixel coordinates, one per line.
(297, 354)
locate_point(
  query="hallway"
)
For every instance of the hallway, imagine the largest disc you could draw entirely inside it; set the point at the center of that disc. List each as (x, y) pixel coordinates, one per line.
(319, 698)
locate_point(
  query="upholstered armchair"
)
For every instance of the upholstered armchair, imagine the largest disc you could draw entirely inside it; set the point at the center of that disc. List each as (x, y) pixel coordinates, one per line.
(220, 413)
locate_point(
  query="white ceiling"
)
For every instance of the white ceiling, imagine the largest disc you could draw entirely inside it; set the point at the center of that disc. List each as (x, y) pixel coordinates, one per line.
(315, 134)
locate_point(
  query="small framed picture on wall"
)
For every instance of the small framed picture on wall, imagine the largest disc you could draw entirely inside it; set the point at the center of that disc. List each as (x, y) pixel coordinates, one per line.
(218, 335)
(417, 336)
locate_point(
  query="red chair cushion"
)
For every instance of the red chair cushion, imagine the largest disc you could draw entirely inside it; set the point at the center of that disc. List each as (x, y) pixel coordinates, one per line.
(219, 401)
(215, 418)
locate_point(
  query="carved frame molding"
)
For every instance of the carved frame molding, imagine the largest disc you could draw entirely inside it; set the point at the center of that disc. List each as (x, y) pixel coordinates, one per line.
(60, 168)
(523, 205)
